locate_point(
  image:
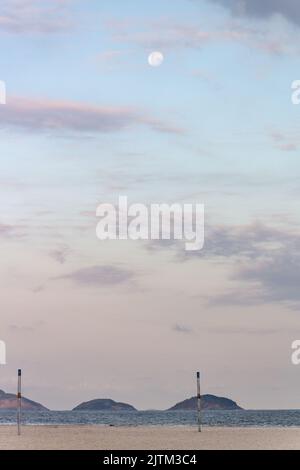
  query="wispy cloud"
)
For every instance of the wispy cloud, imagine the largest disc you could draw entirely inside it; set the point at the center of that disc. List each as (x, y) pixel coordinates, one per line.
(109, 58)
(285, 142)
(100, 276)
(27, 328)
(5, 230)
(10, 231)
(38, 289)
(35, 16)
(60, 254)
(246, 330)
(45, 115)
(170, 35)
(182, 328)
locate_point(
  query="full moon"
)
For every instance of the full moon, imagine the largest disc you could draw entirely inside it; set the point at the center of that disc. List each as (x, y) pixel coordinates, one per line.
(155, 59)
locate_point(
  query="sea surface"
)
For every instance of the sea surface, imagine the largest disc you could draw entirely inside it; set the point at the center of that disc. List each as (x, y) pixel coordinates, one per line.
(238, 418)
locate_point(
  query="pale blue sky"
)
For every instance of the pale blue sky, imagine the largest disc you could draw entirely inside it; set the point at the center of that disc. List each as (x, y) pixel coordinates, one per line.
(88, 119)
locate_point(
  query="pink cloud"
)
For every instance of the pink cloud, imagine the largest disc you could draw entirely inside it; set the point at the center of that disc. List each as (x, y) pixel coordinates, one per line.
(8, 231)
(45, 115)
(285, 142)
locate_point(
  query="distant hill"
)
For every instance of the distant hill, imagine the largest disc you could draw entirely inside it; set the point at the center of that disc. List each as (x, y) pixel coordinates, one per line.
(208, 402)
(8, 401)
(103, 404)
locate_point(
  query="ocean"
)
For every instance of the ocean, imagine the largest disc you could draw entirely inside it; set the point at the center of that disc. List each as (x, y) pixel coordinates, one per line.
(239, 418)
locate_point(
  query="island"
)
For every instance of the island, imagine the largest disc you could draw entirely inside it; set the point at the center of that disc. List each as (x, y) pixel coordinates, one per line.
(103, 404)
(9, 401)
(208, 402)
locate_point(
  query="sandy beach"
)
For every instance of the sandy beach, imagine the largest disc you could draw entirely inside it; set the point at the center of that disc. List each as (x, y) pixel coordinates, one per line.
(149, 438)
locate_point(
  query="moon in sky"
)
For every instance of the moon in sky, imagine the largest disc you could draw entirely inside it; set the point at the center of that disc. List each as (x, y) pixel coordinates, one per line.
(155, 59)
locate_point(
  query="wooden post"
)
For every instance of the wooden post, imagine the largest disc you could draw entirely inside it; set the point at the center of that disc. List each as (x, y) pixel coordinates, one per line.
(19, 396)
(199, 401)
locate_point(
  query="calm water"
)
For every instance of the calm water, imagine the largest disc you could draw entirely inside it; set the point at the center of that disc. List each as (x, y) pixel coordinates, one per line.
(170, 418)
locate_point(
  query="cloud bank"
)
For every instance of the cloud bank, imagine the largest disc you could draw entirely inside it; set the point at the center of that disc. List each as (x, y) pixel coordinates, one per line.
(264, 260)
(289, 9)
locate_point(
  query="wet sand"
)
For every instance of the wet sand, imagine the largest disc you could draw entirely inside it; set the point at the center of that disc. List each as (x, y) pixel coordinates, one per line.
(148, 438)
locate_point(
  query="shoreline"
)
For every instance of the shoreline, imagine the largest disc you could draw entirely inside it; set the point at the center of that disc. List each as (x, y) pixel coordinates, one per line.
(105, 437)
(158, 426)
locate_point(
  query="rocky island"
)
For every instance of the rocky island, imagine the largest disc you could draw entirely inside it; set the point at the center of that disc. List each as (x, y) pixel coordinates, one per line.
(208, 402)
(8, 401)
(103, 404)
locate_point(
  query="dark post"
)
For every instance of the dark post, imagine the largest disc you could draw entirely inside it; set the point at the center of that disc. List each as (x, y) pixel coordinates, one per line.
(199, 401)
(19, 396)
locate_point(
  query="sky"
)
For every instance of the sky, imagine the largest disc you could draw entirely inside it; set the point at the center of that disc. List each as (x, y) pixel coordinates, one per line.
(88, 119)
